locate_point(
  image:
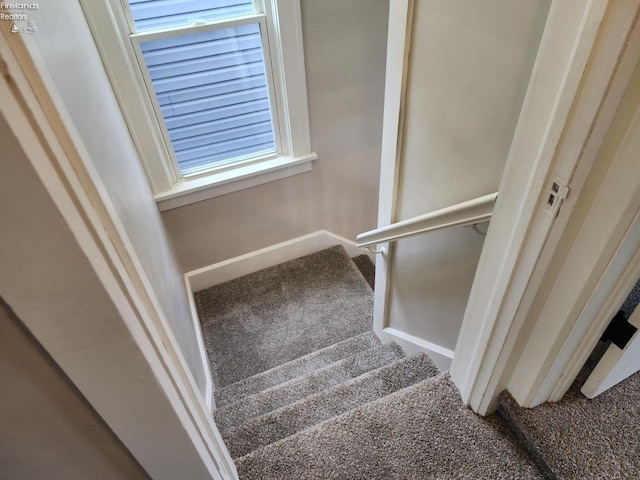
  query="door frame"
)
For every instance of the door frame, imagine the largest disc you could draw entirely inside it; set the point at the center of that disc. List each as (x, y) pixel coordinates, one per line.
(585, 59)
(587, 56)
(598, 265)
(57, 160)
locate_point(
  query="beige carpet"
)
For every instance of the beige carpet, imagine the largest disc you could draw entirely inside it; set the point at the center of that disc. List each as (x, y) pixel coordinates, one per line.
(270, 317)
(422, 432)
(306, 391)
(579, 438)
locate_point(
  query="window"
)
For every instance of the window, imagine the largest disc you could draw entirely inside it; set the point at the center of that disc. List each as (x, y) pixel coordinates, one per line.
(209, 90)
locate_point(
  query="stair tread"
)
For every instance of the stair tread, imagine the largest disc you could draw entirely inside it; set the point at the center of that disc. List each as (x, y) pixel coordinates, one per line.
(423, 431)
(306, 385)
(316, 408)
(261, 320)
(296, 368)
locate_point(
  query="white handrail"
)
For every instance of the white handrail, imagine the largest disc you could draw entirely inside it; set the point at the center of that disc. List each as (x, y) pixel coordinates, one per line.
(466, 213)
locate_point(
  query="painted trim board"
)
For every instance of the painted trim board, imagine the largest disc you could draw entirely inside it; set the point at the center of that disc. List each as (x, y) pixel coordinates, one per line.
(441, 356)
(397, 66)
(616, 364)
(209, 398)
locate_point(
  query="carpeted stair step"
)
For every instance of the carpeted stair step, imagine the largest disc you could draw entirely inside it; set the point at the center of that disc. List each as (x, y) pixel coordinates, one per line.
(581, 438)
(367, 268)
(304, 386)
(267, 318)
(307, 412)
(296, 368)
(423, 431)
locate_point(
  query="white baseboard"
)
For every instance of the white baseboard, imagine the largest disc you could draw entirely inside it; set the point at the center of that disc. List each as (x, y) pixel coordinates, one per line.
(441, 356)
(209, 388)
(268, 257)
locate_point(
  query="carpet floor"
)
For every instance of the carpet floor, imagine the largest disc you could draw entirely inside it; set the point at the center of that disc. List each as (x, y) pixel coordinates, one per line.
(281, 313)
(581, 438)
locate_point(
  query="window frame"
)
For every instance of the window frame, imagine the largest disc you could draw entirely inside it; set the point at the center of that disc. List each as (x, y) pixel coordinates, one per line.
(110, 25)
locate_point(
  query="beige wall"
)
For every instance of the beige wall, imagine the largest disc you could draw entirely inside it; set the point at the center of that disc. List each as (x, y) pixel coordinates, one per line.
(469, 68)
(71, 59)
(49, 431)
(344, 45)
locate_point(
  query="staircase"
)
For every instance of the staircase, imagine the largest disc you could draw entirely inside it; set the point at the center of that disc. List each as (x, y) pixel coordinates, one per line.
(305, 390)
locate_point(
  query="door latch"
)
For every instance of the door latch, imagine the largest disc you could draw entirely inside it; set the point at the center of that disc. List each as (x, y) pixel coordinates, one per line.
(558, 192)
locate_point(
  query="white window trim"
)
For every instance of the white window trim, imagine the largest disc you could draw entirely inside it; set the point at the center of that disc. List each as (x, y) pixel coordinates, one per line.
(108, 23)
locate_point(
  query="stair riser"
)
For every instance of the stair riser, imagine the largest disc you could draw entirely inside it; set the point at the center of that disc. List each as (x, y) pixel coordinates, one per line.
(296, 368)
(305, 413)
(421, 432)
(311, 384)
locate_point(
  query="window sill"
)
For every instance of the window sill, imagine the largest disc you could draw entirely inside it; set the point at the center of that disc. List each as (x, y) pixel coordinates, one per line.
(192, 190)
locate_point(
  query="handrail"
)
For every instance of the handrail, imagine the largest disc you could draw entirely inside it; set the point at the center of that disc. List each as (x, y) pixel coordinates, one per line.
(466, 213)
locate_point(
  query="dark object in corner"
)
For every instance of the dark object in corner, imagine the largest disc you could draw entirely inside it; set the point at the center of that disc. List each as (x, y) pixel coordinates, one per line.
(619, 330)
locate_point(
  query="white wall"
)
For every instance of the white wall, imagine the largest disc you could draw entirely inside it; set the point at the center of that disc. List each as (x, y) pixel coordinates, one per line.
(48, 428)
(344, 46)
(70, 57)
(469, 68)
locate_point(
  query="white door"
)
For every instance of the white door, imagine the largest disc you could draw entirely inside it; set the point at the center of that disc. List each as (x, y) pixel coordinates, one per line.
(617, 363)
